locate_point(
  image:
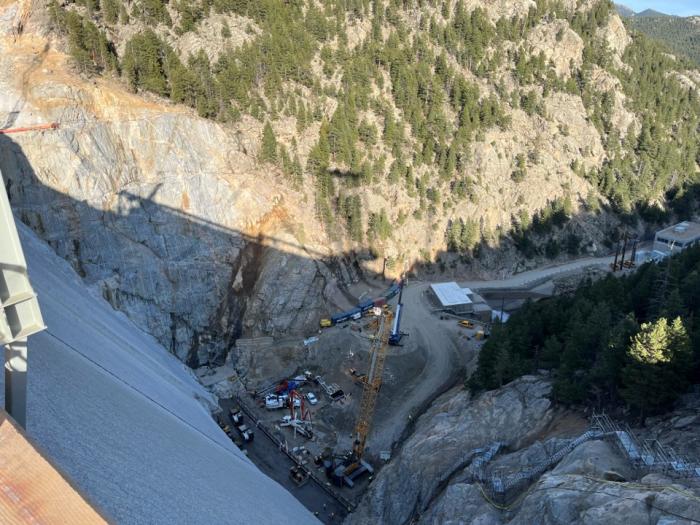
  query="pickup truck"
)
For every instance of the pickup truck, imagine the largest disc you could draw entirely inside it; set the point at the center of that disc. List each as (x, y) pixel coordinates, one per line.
(273, 402)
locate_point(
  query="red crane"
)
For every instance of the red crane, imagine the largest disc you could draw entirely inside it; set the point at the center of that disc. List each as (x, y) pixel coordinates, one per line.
(37, 127)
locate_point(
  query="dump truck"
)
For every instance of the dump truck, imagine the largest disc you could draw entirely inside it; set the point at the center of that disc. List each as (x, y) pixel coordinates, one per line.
(246, 433)
(236, 415)
(465, 323)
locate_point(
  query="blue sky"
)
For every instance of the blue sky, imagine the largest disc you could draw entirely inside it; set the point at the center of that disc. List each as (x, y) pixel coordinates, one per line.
(672, 7)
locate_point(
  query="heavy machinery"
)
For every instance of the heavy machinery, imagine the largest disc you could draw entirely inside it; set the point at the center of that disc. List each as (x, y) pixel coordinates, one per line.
(299, 475)
(396, 333)
(352, 465)
(361, 308)
(299, 421)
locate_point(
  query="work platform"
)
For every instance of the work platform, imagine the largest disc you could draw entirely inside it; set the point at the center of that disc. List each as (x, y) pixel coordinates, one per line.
(32, 490)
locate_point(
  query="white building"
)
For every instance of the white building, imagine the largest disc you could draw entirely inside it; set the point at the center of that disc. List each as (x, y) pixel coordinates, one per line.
(450, 297)
(677, 238)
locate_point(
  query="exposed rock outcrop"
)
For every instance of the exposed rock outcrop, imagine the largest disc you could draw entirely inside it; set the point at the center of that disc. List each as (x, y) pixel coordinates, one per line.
(443, 442)
(680, 429)
(435, 479)
(168, 215)
(582, 500)
(560, 44)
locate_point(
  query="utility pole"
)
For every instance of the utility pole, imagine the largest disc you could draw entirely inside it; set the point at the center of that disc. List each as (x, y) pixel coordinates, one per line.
(624, 251)
(20, 316)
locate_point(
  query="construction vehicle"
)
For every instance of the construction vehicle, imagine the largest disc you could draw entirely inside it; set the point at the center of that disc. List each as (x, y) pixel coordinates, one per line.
(300, 421)
(37, 127)
(396, 333)
(481, 335)
(274, 401)
(345, 469)
(361, 308)
(299, 475)
(246, 433)
(465, 323)
(236, 415)
(333, 390)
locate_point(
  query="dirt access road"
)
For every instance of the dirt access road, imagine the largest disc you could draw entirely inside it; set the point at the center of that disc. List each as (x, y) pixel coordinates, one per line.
(447, 353)
(535, 277)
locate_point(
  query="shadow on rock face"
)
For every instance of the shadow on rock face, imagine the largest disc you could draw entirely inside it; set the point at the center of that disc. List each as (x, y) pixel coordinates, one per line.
(193, 284)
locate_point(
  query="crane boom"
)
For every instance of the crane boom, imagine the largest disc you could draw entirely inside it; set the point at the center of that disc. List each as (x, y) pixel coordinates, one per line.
(396, 333)
(37, 127)
(372, 383)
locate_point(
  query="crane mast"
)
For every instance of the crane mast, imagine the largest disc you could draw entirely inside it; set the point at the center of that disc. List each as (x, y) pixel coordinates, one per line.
(371, 385)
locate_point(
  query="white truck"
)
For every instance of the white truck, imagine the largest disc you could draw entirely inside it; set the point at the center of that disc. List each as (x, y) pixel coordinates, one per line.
(274, 402)
(246, 433)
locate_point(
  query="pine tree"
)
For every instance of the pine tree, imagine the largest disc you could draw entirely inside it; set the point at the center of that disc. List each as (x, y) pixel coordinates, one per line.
(111, 9)
(268, 149)
(658, 357)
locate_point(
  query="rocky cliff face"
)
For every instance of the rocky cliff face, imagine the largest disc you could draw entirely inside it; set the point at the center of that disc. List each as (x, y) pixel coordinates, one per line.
(432, 479)
(443, 446)
(167, 214)
(175, 221)
(180, 224)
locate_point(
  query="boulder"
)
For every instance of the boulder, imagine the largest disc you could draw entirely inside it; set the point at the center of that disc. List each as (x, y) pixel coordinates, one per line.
(594, 458)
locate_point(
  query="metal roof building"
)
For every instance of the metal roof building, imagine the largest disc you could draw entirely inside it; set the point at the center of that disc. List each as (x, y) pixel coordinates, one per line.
(449, 296)
(677, 238)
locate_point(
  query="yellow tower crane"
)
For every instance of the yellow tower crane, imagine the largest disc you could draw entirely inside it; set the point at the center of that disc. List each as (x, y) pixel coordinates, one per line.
(356, 466)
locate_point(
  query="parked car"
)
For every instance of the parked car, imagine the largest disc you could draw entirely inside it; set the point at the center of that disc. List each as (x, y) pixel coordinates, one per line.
(311, 398)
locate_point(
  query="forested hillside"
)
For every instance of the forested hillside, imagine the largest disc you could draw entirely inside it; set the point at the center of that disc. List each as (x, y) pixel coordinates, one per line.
(681, 35)
(465, 122)
(632, 340)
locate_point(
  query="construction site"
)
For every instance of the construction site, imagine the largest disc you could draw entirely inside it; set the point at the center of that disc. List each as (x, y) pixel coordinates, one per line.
(374, 388)
(339, 401)
(323, 415)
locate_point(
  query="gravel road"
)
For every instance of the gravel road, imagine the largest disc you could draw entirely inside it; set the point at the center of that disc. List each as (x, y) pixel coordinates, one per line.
(445, 348)
(446, 352)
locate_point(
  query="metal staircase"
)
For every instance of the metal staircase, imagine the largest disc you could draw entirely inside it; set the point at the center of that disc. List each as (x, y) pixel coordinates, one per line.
(650, 456)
